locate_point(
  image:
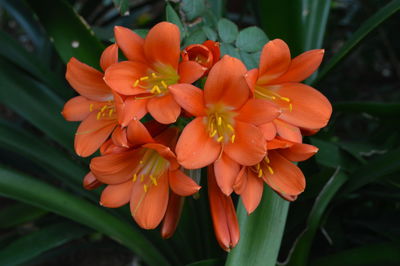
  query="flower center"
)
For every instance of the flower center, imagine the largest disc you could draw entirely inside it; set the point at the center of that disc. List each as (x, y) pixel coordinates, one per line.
(268, 94)
(105, 110)
(150, 167)
(263, 167)
(220, 123)
(157, 80)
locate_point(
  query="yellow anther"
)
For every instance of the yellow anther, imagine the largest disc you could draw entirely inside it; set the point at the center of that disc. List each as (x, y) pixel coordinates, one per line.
(290, 107)
(103, 108)
(91, 107)
(258, 167)
(285, 99)
(220, 138)
(136, 83)
(164, 84)
(213, 133)
(144, 78)
(219, 121)
(270, 170)
(98, 116)
(233, 138)
(141, 178)
(110, 112)
(157, 89)
(141, 162)
(267, 159)
(153, 75)
(145, 188)
(153, 180)
(134, 177)
(230, 127)
(260, 173)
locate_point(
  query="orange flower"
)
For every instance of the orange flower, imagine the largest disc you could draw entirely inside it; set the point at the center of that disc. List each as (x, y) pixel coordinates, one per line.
(206, 54)
(152, 67)
(223, 214)
(277, 80)
(143, 176)
(225, 128)
(277, 170)
(172, 215)
(95, 107)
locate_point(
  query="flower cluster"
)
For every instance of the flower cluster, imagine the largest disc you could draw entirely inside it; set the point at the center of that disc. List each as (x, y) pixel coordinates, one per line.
(163, 111)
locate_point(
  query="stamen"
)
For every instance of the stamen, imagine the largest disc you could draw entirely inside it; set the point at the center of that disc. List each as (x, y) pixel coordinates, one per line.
(103, 108)
(233, 138)
(110, 112)
(145, 188)
(219, 121)
(290, 107)
(134, 177)
(266, 159)
(154, 180)
(144, 78)
(141, 178)
(91, 107)
(260, 173)
(213, 133)
(136, 83)
(270, 170)
(285, 99)
(141, 161)
(258, 167)
(153, 75)
(220, 138)
(98, 116)
(230, 127)
(164, 84)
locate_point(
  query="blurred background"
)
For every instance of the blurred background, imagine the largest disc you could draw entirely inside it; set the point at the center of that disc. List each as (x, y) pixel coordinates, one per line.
(354, 222)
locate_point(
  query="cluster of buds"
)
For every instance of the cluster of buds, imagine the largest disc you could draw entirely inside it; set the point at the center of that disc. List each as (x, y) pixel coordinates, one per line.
(152, 119)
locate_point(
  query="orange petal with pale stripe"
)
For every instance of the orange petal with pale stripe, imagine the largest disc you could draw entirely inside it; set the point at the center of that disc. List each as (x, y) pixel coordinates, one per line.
(258, 112)
(77, 108)
(115, 196)
(189, 98)
(164, 109)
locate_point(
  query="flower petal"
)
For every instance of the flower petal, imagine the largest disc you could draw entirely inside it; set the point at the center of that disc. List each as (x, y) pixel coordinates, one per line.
(288, 131)
(165, 152)
(130, 43)
(121, 77)
(109, 56)
(92, 133)
(226, 170)
(162, 44)
(302, 66)
(137, 133)
(189, 98)
(77, 108)
(119, 137)
(226, 83)
(90, 182)
(164, 109)
(190, 71)
(181, 184)
(287, 178)
(115, 168)
(148, 207)
(249, 147)
(172, 215)
(226, 226)
(274, 61)
(115, 196)
(195, 149)
(87, 81)
(299, 152)
(258, 112)
(252, 194)
(251, 78)
(268, 130)
(241, 180)
(129, 108)
(311, 109)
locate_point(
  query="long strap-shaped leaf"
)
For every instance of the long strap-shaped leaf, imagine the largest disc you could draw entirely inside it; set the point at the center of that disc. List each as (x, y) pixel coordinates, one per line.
(23, 188)
(261, 232)
(367, 27)
(301, 249)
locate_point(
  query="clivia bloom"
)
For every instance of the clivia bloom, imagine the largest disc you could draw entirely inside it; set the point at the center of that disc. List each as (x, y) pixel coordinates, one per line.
(95, 107)
(225, 128)
(142, 175)
(278, 80)
(206, 54)
(152, 67)
(277, 170)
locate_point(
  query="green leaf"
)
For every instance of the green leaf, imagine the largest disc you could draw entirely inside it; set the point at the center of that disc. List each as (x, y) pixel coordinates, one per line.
(23, 188)
(328, 153)
(193, 8)
(197, 36)
(260, 232)
(68, 31)
(372, 108)
(210, 33)
(229, 49)
(248, 60)
(372, 254)
(251, 39)
(227, 30)
(141, 32)
(208, 262)
(315, 25)
(17, 214)
(301, 249)
(379, 167)
(172, 16)
(123, 6)
(29, 246)
(36, 103)
(366, 28)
